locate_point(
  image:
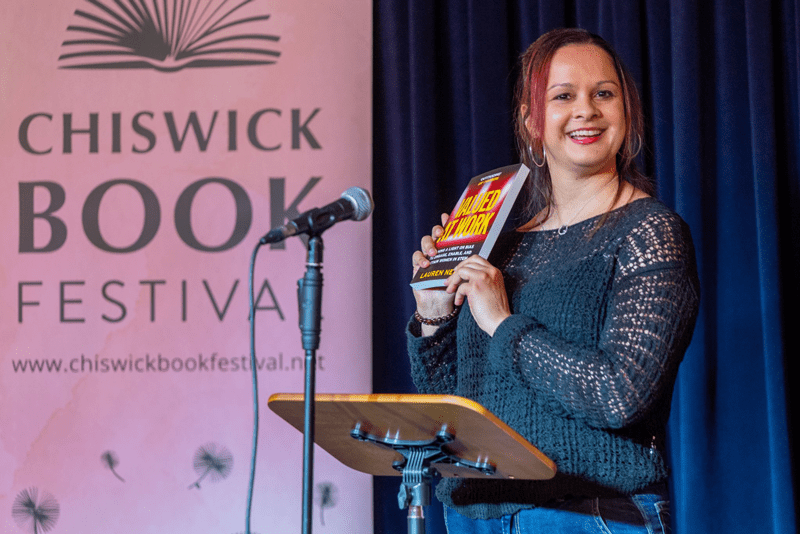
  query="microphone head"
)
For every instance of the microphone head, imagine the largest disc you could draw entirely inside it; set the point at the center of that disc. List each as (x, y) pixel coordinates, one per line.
(361, 201)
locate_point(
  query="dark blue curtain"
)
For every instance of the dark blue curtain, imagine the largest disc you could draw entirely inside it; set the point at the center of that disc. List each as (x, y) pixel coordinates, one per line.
(720, 82)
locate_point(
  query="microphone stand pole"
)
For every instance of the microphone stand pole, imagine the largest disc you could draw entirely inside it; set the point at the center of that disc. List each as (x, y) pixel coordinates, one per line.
(309, 296)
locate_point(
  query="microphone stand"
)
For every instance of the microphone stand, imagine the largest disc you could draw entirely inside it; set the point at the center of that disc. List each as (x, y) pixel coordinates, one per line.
(309, 296)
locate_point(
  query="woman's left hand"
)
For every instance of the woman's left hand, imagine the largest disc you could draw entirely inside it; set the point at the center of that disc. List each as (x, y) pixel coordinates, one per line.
(482, 285)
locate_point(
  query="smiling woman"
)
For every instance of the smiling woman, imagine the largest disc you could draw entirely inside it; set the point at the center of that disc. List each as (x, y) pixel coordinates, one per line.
(584, 112)
(573, 330)
(579, 117)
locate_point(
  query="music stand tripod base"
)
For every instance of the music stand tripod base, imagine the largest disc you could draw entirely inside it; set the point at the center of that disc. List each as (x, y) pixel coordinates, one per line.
(417, 470)
(418, 437)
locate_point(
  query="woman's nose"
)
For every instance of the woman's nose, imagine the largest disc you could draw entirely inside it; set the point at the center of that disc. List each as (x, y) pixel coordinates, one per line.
(585, 108)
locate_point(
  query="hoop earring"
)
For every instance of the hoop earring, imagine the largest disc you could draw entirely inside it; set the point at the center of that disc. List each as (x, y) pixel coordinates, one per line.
(533, 159)
(639, 144)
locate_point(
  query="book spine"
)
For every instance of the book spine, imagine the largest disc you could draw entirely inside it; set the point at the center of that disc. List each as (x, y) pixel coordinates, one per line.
(509, 199)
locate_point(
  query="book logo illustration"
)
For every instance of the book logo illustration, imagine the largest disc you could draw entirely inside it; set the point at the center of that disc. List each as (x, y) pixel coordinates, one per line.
(167, 36)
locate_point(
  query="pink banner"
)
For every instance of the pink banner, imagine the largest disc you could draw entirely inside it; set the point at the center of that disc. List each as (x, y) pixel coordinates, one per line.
(146, 146)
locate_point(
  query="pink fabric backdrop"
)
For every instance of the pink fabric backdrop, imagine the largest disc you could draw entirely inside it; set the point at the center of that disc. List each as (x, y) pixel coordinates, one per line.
(63, 331)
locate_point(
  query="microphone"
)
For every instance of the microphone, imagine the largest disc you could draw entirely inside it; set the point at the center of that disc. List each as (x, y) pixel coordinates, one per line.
(355, 203)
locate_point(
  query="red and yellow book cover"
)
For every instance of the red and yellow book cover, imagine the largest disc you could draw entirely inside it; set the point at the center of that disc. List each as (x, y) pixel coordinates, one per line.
(474, 223)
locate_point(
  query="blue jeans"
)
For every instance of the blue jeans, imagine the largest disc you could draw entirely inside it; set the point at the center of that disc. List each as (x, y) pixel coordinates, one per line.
(637, 514)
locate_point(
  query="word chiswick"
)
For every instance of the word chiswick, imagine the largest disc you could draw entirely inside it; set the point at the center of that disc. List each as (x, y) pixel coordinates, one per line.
(40, 132)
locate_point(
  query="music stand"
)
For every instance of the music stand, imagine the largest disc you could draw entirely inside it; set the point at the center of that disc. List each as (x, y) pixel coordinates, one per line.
(417, 437)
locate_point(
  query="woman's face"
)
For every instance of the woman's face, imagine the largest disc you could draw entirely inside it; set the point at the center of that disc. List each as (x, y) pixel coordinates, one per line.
(584, 122)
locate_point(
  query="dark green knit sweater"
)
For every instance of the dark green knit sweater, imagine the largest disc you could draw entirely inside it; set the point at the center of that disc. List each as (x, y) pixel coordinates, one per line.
(585, 366)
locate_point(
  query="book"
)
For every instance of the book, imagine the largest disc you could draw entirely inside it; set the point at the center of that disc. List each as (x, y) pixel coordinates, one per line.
(474, 223)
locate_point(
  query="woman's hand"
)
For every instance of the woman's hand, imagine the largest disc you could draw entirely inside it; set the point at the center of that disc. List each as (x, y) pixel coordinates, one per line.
(482, 285)
(431, 303)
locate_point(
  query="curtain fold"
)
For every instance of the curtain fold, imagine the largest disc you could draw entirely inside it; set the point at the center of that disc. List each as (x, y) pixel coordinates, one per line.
(721, 88)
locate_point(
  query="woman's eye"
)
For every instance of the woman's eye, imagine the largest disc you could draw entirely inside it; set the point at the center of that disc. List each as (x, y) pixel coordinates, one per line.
(562, 96)
(605, 94)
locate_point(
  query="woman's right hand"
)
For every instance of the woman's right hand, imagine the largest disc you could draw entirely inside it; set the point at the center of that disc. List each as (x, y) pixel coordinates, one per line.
(435, 302)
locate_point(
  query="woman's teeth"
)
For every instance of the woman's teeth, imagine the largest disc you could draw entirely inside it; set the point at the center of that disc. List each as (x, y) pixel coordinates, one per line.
(583, 134)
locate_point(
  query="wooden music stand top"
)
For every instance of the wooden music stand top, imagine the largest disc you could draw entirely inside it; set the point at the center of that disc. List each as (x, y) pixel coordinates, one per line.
(479, 435)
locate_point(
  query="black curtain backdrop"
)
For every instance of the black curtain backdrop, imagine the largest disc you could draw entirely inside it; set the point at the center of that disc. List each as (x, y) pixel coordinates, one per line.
(719, 80)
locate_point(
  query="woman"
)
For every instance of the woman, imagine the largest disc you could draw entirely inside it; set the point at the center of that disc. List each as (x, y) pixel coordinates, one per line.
(572, 332)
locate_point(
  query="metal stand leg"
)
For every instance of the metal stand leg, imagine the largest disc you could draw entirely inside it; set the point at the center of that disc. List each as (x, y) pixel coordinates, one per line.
(416, 520)
(309, 296)
(421, 497)
(415, 492)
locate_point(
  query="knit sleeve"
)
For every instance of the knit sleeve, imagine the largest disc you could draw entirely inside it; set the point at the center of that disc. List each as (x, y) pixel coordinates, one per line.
(433, 358)
(652, 304)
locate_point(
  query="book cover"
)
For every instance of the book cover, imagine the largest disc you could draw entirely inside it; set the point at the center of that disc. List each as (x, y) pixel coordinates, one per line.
(474, 223)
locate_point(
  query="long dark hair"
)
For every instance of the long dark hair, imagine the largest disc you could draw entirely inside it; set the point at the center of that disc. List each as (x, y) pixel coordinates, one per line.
(530, 104)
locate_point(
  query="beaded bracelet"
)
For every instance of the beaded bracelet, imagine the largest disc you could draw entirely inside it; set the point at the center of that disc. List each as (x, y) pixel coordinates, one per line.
(436, 321)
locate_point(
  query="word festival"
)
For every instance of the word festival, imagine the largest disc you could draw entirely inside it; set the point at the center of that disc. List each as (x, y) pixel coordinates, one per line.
(165, 301)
